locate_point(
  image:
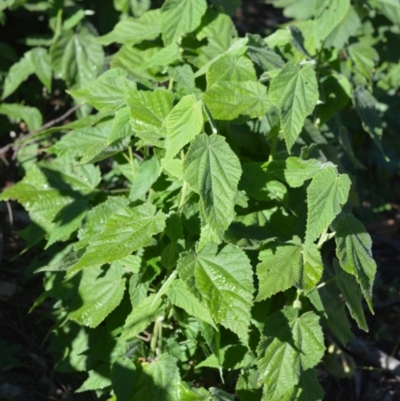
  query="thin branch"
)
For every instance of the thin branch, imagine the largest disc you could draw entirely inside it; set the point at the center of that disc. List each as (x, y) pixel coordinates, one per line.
(49, 124)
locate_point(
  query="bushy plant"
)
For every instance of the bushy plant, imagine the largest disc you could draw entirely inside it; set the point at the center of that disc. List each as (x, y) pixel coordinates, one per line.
(197, 219)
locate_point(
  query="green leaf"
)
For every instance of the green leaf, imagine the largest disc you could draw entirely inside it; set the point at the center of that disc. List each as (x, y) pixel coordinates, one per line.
(99, 293)
(352, 294)
(121, 126)
(134, 30)
(337, 91)
(212, 170)
(50, 187)
(364, 57)
(17, 74)
(97, 380)
(353, 248)
(124, 232)
(89, 144)
(123, 377)
(76, 57)
(131, 58)
(223, 282)
(42, 66)
(107, 92)
(17, 112)
(166, 56)
(328, 14)
(180, 296)
(261, 55)
(390, 9)
(344, 30)
(329, 305)
(295, 92)
(308, 388)
(227, 100)
(231, 68)
(148, 112)
(142, 316)
(229, 6)
(247, 387)
(183, 76)
(179, 17)
(183, 123)
(147, 175)
(295, 171)
(68, 221)
(259, 185)
(95, 219)
(366, 107)
(286, 265)
(326, 195)
(290, 344)
(165, 377)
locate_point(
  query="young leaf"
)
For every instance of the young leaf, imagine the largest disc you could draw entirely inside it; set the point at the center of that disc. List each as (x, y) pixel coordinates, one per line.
(344, 30)
(42, 65)
(364, 57)
(30, 115)
(353, 248)
(326, 195)
(329, 14)
(180, 296)
(17, 74)
(107, 92)
(212, 170)
(290, 344)
(287, 265)
(121, 126)
(231, 68)
(124, 232)
(295, 92)
(166, 56)
(179, 17)
(98, 295)
(142, 315)
(148, 112)
(295, 171)
(183, 123)
(224, 284)
(227, 100)
(146, 176)
(134, 30)
(77, 57)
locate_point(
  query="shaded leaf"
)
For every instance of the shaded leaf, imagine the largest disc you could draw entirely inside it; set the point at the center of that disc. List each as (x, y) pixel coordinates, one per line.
(353, 248)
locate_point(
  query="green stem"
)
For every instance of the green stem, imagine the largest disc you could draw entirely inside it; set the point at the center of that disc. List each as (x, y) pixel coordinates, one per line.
(210, 120)
(273, 147)
(132, 162)
(183, 197)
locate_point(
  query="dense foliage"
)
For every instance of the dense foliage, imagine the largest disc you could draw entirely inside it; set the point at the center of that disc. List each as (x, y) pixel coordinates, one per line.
(197, 218)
